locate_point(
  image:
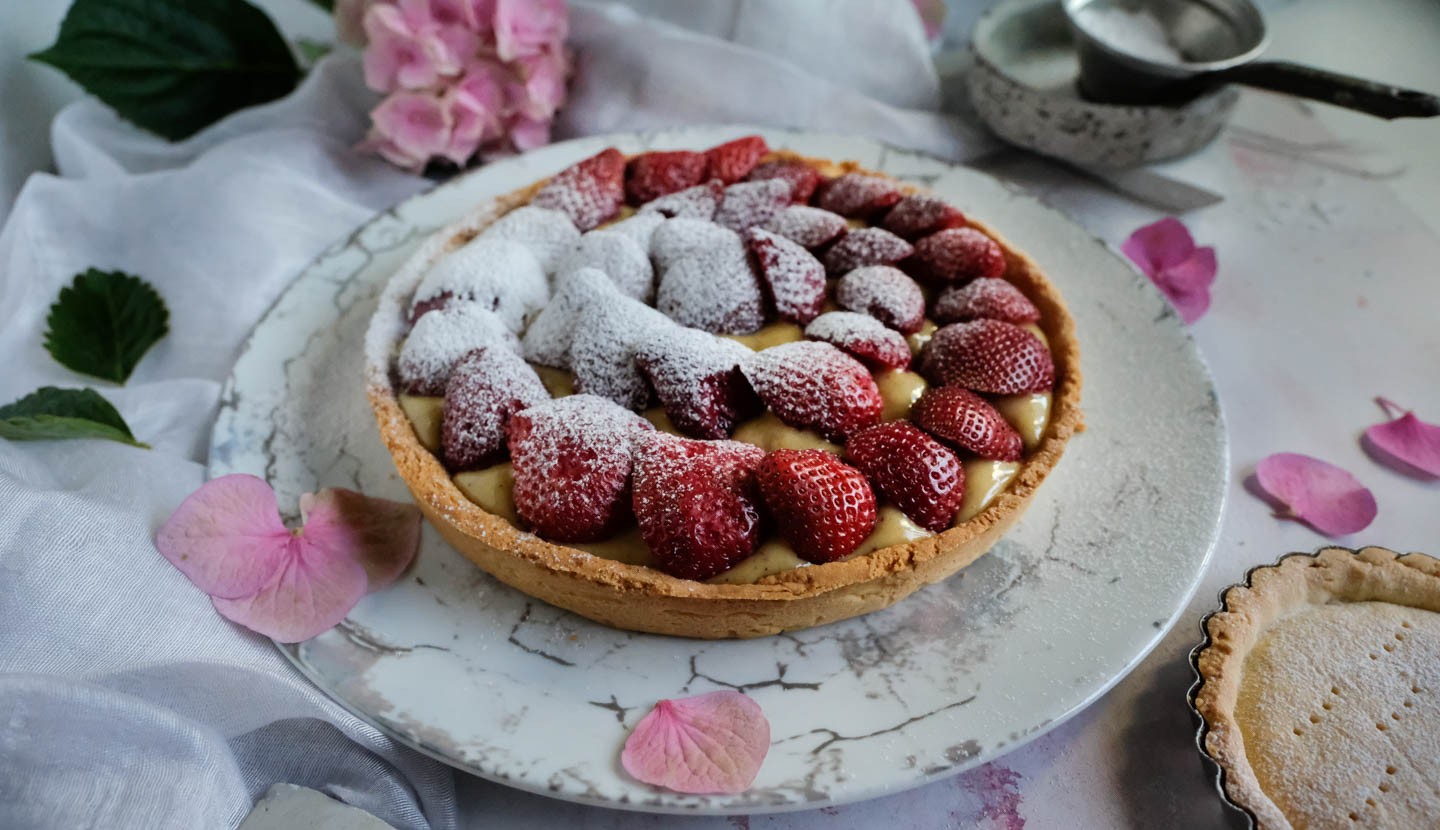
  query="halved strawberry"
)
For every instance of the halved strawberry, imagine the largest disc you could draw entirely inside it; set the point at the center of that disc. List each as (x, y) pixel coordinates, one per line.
(747, 204)
(487, 387)
(920, 215)
(655, 174)
(862, 336)
(985, 297)
(697, 378)
(957, 255)
(865, 246)
(732, 161)
(697, 503)
(572, 460)
(822, 506)
(698, 202)
(884, 293)
(793, 278)
(923, 477)
(965, 420)
(988, 356)
(808, 226)
(813, 385)
(802, 177)
(858, 196)
(590, 192)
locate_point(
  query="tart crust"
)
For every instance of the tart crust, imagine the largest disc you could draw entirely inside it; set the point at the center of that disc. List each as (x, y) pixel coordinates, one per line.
(1347, 722)
(638, 598)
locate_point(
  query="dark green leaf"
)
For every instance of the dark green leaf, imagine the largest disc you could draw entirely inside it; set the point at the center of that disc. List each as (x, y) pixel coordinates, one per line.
(312, 50)
(50, 414)
(173, 66)
(327, 5)
(104, 323)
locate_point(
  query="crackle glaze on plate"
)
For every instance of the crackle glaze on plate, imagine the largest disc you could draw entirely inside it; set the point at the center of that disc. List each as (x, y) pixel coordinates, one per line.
(508, 688)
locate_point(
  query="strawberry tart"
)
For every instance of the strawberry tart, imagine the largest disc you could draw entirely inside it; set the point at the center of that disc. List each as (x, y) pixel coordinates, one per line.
(722, 393)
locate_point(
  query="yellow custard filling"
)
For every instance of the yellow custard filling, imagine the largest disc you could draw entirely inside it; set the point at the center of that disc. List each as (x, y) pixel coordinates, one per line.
(424, 413)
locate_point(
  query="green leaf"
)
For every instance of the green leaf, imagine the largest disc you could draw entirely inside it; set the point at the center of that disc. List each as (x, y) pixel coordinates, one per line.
(50, 414)
(173, 66)
(104, 323)
(327, 5)
(312, 50)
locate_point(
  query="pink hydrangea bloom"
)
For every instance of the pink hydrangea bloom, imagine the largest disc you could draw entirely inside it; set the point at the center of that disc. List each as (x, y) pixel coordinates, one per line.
(541, 87)
(525, 27)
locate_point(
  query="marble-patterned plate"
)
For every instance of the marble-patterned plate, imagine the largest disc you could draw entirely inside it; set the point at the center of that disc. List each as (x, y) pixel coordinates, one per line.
(482, 677)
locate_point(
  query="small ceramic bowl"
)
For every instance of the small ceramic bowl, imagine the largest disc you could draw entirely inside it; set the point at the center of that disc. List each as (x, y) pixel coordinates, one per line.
(1024, 86)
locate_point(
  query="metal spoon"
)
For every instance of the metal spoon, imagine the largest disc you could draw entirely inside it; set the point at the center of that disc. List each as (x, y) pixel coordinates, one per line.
(1163, 51)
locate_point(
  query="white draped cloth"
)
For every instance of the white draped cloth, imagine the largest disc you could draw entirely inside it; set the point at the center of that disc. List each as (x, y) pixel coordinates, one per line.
(125, 700)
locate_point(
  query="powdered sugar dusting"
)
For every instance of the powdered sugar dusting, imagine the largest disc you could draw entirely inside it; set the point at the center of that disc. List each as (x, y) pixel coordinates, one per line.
(548, 339)
(985, 297)
(752, 203)
(858, 195)
(640, 228)
(884, 293)
(808, 226)
(865, 246)
(698, 202)
(713, 289)
(862, 336)
(549, 234)
(802, 177)
(499, 274)
(572, 459)
(623, 261)
(794, 278)
(441, 338)
(485, 389)
(589, 192)
(919, 214)
(813, 385)
(696, 377)
(602, 355)
(678, 238)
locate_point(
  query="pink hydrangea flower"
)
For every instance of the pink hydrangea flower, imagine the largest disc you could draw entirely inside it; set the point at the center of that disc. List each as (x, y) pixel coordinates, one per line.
(1167, 254)
(525, 27)
(466, 79)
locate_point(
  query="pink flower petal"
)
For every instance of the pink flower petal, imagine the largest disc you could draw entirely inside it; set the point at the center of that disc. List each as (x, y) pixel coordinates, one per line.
(382, 535)
(227, 537)
(450, 48)
(395, 57)
(524, 27)
(710, 743)
(1159, 245)
(527, 134)
(311, 593)
(1165, 252)
(1411, 442)
(1318, 493)
(417, 124)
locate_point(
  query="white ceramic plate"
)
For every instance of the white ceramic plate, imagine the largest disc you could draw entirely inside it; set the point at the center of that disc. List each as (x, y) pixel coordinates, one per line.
(482, 677)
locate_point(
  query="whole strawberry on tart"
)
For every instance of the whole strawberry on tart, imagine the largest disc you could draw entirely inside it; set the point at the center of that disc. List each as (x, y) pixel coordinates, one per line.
(722, 392)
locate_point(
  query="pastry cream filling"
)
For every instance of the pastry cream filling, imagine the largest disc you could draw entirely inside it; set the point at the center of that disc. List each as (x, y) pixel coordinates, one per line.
(922, 336)
(773, 557)
(984, 480)
(769, 433)
(424, 414)
(558, 382)
(771, 335)
(1028, 414)
(493, 488)
(899, 391)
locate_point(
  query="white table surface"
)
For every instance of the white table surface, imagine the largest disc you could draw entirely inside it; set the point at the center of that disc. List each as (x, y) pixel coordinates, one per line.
(1328, 295)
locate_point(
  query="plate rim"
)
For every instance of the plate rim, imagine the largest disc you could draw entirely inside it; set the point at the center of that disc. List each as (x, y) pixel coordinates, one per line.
(228, 402)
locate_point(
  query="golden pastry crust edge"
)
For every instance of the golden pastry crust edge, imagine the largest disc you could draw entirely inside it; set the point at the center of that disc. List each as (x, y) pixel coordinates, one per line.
(1271, 592)
(639, 598)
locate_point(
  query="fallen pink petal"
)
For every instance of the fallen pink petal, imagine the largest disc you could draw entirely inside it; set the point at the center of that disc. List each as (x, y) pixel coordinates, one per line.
(229, 540)
(227, 537)
(1406, 443)
(1317, 492)
(1166, 253)
(710, 743)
